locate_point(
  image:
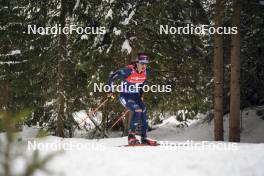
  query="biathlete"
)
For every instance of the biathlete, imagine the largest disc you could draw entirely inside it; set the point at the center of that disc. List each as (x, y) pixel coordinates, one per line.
(133, 79)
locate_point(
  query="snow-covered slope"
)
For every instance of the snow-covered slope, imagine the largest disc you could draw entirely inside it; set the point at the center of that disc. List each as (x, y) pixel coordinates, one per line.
(204, 157)
(103, 157)
(252, 129)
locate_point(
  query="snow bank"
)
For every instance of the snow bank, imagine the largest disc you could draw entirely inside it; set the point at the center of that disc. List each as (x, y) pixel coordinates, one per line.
(252, 129)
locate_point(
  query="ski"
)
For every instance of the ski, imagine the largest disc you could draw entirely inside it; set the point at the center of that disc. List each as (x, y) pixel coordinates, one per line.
(152, 143)
(138, 145)
(162, 144)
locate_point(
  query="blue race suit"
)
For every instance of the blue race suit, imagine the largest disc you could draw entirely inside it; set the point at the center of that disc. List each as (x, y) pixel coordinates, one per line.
(131, 98)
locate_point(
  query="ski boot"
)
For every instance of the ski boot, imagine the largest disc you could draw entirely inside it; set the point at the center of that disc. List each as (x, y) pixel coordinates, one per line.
(146, 141)
(132, 140)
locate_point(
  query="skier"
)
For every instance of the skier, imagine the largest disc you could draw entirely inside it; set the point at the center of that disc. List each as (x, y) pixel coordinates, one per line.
(133, 79)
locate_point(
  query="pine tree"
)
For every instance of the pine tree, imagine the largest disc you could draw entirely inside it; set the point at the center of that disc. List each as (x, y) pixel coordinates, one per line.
(62, 52)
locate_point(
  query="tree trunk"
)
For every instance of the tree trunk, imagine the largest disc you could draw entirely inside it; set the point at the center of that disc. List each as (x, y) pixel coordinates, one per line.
(60, 74)
(4, 96)
(234, 121)
(218, 75)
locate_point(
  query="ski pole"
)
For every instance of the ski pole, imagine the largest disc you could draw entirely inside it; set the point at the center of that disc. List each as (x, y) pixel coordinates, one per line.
(119, 118)
(89, 114)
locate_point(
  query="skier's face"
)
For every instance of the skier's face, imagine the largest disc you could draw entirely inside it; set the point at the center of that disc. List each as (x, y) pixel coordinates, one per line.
(141, 66)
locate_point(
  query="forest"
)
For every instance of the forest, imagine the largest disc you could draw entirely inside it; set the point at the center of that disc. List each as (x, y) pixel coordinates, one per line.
(53, 53)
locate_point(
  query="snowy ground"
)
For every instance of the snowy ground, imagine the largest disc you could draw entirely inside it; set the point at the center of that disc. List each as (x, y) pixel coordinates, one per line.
(252, 129)
(200, 158)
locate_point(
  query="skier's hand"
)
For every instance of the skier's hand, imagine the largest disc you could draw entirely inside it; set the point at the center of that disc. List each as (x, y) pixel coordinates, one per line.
(111, 95)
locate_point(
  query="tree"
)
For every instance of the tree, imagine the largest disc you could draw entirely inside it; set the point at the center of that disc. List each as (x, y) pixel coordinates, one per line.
(234, 121)
(218, 74)
(60, 73)
(9, 151)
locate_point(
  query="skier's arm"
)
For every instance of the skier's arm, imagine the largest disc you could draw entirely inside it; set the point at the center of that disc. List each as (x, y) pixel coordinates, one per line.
(120, 74)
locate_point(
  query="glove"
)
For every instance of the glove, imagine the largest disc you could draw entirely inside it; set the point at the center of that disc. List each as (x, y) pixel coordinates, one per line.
(111, 94)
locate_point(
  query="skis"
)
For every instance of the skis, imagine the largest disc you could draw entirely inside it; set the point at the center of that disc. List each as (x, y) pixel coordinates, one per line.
(150, 143)
(138, 145)
(163, 144)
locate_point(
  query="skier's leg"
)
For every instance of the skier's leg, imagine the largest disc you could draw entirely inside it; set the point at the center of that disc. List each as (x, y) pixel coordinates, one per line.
(134, 121)
(144, 120)
(144, 126)
(132, 106)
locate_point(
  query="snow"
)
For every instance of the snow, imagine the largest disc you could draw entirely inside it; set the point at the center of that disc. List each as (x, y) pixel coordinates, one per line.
(126, 21)
(97, 40)
(76, 5)
(82, 119)
(50, 103)
(252, 129)
(109, 48)
(101, 157)
(202, 157)
(84, 37)
(125, 12)
(13, 52)
(126, 47)
(13, 62)
(109, 14)
(116, 31)
(109, 1)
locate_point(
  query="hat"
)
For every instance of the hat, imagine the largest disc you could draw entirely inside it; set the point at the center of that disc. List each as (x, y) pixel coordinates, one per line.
(142, 58)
